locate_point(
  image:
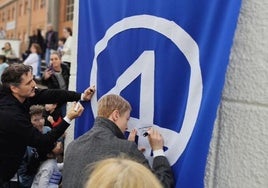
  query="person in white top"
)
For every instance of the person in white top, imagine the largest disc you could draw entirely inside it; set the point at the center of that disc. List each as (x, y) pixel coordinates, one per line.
(34, 60)
(66, 51)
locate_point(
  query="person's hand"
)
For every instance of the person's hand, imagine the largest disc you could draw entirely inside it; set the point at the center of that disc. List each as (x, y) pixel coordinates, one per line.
(75, 111)
(47, 73)
(132, 135)
(50, 119)
(155, 139)
(88, 93)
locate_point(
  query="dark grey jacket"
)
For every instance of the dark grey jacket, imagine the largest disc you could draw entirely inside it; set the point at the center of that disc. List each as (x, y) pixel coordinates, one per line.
(106, 140)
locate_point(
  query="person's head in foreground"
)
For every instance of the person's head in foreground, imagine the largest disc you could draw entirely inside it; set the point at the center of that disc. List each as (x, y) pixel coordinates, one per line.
(115, 108)
(120, 173)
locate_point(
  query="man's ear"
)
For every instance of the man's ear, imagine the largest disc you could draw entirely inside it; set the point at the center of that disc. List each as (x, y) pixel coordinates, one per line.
(14, 89)
(115, 115)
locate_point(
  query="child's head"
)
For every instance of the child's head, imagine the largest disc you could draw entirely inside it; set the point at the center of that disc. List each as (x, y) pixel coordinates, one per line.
(37, 119)
(35, 48)
(50, 107)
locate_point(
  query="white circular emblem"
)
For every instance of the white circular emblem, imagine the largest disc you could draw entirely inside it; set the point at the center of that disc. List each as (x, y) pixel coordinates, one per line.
(176, 142)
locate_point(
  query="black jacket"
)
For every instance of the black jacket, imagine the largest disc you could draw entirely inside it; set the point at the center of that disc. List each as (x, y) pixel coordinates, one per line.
(52, 82)
(17, 132)
(104, 140)
(52, 42)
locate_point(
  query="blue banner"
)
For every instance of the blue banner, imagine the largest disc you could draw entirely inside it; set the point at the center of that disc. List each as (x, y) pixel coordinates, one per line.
(168, 59)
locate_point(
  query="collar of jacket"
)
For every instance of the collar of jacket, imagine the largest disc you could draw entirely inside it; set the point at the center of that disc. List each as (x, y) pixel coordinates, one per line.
(101, 121)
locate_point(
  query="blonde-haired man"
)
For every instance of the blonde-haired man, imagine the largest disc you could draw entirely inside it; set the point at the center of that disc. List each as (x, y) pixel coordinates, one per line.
(106, 139)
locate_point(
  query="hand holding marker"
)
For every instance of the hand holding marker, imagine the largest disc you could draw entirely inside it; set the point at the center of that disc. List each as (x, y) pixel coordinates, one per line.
(77, 106)
(78, 102)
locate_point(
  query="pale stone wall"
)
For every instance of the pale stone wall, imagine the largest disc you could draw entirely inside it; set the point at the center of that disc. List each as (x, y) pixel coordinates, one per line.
(239, 148)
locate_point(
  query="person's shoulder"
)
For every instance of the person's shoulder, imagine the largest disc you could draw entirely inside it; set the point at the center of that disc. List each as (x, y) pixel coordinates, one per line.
(6, 100)
(81, 140)
(35, 55)
(65, 67)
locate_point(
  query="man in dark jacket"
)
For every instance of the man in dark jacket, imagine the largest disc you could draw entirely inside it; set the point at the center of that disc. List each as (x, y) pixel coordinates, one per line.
(51, 42)
(106, 139)
(17, 93)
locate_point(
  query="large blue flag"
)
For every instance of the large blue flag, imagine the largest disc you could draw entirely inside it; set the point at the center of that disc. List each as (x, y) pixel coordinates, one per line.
(168, 58)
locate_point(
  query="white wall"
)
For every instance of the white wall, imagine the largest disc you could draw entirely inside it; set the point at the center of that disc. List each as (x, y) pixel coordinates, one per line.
(239, 148)
(238, 156)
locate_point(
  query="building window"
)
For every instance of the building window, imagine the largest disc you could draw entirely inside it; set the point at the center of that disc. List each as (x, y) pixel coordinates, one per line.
(42, 3)
(8, 15)
(69, 10)
(20, 9)
(36, 5)
(25, 7)
(13, 13)
(25, 37)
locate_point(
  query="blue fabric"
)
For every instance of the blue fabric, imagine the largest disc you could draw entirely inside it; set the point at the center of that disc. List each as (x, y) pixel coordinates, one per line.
(168, 59)
(55, 178)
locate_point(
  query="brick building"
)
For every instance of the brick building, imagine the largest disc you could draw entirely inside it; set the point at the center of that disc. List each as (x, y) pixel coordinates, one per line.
(19, 18)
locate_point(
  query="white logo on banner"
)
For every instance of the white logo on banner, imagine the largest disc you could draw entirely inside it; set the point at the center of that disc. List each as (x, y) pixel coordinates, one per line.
(176, 142)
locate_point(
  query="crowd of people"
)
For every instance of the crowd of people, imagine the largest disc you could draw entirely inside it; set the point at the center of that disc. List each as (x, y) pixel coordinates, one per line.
(39, 49)
(33, 124)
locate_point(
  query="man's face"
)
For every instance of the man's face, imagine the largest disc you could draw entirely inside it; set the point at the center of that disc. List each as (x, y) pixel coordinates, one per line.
(122, 121)
(38, 121)
(26, 88)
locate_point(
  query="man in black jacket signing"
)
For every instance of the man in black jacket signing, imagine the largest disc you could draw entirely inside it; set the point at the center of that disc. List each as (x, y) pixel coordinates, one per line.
(17, 93)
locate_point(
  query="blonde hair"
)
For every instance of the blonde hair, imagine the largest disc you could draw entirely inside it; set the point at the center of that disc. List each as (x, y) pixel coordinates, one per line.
(108, 103)
(121, 173)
